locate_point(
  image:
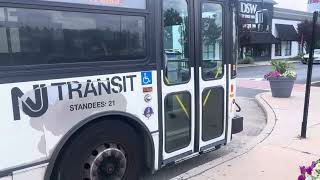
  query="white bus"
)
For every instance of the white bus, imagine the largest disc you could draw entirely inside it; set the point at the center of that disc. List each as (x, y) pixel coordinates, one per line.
(106, 89)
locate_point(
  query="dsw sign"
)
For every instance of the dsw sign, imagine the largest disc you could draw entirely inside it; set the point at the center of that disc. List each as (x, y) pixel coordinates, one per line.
(248, 8)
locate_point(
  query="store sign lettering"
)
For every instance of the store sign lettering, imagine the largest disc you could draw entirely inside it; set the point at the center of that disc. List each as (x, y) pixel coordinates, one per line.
(248, 8)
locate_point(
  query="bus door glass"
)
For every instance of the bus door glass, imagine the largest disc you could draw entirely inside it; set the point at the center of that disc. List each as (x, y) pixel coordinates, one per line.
(212, 75)
(177, 81)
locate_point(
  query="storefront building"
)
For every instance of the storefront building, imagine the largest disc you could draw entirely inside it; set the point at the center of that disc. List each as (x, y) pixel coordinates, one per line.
(285, 29)
(267, 32)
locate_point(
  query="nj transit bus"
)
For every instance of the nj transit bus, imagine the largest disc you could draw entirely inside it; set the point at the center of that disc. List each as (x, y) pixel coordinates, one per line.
(107, 89)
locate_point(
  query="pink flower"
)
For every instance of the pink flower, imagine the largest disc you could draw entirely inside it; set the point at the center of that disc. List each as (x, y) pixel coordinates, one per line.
(273, 74)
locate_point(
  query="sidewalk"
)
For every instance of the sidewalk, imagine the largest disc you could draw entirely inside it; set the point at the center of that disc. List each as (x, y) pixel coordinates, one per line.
(261, 63)
(279, 155)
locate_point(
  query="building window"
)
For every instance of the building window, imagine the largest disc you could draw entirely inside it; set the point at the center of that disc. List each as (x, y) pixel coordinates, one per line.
(278, 49)
(288, 48)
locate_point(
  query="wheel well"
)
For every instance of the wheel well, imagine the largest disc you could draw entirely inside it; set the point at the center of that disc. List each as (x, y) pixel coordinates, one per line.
(138, 126)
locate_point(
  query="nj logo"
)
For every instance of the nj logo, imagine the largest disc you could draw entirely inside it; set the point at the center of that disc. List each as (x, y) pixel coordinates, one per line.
(146, 78)
(31, 108)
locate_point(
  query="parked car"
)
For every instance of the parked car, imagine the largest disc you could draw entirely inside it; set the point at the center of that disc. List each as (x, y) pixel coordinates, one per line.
(316, 57)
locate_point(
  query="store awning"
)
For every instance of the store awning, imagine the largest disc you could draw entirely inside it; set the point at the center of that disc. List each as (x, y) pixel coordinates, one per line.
(259, 38)
(287, 32)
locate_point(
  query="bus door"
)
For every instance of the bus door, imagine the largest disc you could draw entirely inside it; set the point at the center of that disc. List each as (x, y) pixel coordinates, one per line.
(212, 74)
(193, 77)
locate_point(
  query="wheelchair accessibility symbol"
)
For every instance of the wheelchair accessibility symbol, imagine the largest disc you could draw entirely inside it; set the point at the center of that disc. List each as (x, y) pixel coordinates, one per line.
(146, 78)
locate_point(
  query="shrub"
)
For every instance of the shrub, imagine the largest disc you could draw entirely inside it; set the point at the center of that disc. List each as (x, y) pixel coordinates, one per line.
(247, 60)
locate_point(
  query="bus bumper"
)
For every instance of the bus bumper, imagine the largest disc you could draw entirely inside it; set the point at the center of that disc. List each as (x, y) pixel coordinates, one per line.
(237, 125)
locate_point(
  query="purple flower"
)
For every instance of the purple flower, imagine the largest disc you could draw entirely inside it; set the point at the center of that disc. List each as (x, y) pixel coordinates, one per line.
(314, 164)
(301, 177)
(302, 169)
(309, 170)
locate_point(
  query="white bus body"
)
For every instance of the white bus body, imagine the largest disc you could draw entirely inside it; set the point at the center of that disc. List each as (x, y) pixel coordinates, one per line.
(108, 70)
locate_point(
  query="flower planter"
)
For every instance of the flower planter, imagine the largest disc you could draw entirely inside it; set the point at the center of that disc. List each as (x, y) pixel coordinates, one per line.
(281, 87)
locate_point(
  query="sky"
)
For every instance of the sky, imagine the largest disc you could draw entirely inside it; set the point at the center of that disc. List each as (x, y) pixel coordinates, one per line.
(292, 4)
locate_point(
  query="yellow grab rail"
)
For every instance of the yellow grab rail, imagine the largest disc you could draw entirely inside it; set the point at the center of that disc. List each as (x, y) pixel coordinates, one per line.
(183, 107)
(210, 91)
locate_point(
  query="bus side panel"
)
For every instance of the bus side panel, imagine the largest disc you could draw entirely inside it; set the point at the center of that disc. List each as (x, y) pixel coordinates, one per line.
(6, 178)
(49, 109)
(232, 107)
(21, 141)
(34, 173)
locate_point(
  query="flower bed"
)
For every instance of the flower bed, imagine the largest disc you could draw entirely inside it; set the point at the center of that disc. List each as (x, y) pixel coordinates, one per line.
(281, 79)
(281, 70)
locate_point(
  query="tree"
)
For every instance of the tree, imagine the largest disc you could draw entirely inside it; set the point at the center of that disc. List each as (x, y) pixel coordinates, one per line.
(211, 32)
(244, 33)
(172, 17)
(305, 33)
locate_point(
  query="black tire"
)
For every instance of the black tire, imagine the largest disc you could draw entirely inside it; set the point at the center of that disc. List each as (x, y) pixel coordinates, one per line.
(73, 162)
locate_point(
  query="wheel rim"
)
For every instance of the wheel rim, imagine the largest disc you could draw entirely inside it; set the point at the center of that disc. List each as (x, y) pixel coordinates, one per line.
(107, 161)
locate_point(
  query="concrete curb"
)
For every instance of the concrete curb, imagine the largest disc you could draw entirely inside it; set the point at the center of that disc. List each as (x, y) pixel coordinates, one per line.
(271, 123)
(271, 117)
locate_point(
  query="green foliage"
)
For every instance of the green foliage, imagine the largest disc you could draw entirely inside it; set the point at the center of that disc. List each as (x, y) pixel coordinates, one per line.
(172, 17)
(247, 60)
(305, 32)
(211, 31)
(281, 69)
(281, 66)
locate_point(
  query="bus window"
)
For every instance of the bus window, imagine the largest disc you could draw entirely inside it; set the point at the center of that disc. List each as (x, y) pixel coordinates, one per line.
(136, 4)
(212, 113)
(176, 41)
(211, 32)
(32, 37)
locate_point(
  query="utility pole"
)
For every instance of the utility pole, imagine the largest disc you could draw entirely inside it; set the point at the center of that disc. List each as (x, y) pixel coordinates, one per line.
(308, 84)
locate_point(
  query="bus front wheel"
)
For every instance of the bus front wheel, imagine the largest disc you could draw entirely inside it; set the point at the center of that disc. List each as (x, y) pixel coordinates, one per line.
(104, 150)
